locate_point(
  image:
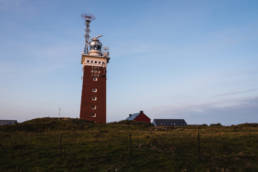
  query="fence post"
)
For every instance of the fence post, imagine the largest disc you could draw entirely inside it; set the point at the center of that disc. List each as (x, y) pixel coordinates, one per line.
(60, 145)
(199, 144)
(129, 147)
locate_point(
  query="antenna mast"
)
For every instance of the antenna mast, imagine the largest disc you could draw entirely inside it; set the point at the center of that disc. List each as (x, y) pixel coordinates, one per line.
(88, 18)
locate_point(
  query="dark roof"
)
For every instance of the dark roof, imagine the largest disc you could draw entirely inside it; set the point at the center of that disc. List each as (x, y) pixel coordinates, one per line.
(169, 122)
(7, 122)
(132, 116)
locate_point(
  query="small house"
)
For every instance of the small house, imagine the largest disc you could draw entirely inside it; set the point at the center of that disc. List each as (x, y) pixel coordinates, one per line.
(169, 122)
(140, 117)
(8, 122)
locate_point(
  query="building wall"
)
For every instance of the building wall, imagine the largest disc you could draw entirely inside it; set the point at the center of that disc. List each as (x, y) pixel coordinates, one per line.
(87, 104)
(142, 118)
(169, 122)
(7, 122)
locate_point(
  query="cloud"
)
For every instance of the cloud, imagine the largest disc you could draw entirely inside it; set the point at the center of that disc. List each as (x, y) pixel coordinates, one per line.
(233, 93)
(227, 112)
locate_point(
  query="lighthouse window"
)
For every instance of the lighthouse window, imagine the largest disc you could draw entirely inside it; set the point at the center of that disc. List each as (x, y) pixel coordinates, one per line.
(103, 62)
(88, 61)
(96, 62)
(91, 61)
(99, 62)
(95, 78)
(94, 98)
(94, 90)
(93, 115)
(94, 107)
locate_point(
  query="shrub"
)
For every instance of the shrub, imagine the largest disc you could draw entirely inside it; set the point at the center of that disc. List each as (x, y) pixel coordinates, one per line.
(216, 125)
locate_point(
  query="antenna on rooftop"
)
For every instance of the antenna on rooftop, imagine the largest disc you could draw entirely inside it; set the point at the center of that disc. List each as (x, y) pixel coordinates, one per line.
(99, 36)
(59, 112)
(106, 52)
(88, 18)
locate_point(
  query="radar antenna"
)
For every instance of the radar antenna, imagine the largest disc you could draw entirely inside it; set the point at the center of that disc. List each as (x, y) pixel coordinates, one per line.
(88, 18)
(106, 52)
(99, 36)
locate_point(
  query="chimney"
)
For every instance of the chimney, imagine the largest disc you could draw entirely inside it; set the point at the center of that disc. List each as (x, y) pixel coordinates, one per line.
(141, 111)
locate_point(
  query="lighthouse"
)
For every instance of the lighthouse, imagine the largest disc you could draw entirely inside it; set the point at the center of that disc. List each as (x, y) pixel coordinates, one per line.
(94, 62)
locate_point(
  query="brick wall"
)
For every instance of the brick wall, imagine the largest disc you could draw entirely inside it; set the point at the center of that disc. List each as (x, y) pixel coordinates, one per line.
(87, 103)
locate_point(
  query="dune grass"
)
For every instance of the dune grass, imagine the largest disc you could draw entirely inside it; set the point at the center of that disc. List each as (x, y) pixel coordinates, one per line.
(51, 144)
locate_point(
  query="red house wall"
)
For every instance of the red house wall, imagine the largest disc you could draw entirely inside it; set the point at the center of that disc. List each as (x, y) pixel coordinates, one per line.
(142, 118)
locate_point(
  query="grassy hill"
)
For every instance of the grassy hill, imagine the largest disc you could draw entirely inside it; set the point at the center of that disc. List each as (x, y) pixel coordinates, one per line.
(51, 144)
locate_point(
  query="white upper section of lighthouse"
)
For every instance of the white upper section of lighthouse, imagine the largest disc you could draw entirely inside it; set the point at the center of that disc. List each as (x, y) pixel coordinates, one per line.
(95, 47)
(94, 61)
(93, 54)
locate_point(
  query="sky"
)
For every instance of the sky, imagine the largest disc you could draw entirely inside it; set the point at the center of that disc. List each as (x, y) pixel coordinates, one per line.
(196, 60)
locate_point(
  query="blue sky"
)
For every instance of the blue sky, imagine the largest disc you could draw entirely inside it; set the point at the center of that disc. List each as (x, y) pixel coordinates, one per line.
(196, 60)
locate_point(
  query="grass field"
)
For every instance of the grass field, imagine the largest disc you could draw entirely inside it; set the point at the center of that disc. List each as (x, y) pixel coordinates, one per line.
(51, 144)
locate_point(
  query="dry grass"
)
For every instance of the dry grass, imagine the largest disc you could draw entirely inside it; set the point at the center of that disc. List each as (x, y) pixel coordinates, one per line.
(73, 145)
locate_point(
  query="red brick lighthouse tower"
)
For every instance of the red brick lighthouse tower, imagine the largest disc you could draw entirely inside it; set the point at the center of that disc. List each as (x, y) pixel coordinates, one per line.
(94, 61)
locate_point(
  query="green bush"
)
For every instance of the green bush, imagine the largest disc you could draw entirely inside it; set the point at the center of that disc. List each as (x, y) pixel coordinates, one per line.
(216, 125)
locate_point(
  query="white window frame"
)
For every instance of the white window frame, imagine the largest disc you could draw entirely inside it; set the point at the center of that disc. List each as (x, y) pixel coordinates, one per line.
(94, 90)
(94, 107)
(93, 115)
(95, 79)
(94, 98)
